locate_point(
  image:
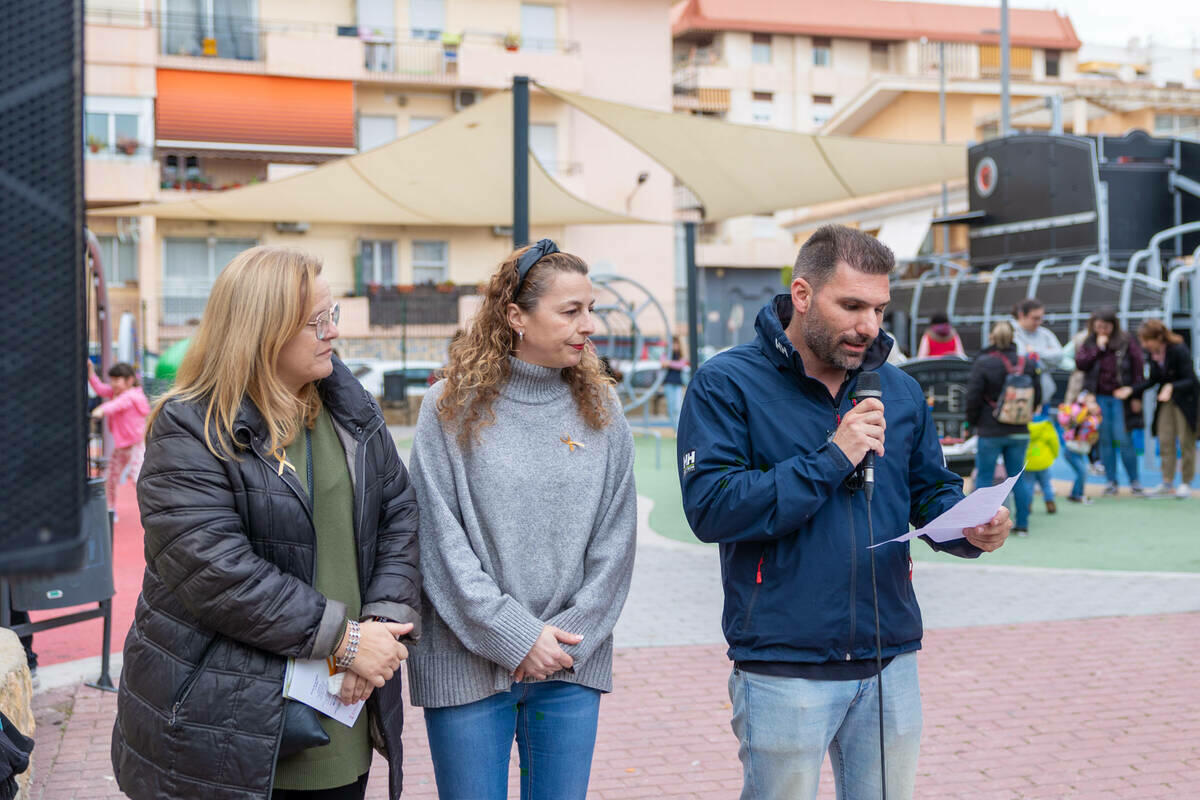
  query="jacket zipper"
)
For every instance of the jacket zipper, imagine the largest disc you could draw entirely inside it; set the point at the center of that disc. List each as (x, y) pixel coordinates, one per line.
(853, 578)
(186, 688)
(758, 579)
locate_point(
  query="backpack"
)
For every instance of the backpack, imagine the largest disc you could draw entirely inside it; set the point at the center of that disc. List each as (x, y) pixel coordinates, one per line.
(1014, 406)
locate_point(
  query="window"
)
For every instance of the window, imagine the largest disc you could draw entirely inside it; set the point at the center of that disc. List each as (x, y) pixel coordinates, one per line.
(822, 51)
(822, 109)
(121, 126)
(1053, 57)
(378, 261)
(426, 18)
(539, 27)
(762, 109)
(421, 123)
(374, 131)
(881, 56)
(431, 261)
(221, 28)
(119, 259)
(543, 142)
(189, 268)
(760, 48)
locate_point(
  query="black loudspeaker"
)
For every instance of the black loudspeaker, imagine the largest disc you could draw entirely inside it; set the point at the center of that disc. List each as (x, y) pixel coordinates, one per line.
(42, 305)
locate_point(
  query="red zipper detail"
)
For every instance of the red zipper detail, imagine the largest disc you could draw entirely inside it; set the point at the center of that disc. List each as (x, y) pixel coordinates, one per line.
(758, 576)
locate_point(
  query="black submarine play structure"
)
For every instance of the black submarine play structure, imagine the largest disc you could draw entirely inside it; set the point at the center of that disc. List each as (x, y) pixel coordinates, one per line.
(1080, 222)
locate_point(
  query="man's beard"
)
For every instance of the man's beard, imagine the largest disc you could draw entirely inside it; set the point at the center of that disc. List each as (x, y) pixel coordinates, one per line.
(825, 343)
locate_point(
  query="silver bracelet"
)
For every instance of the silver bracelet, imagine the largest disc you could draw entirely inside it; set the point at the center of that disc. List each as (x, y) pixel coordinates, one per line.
(347, 658)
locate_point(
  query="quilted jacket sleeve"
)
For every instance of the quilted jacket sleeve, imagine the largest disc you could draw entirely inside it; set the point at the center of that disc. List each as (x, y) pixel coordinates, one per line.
(196, 544)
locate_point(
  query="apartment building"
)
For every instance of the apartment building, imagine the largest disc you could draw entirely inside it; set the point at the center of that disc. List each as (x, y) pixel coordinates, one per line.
(867, 68)
(188, 97)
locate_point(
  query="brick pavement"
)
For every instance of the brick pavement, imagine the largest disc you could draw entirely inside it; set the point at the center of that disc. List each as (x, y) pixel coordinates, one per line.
(1095, 709)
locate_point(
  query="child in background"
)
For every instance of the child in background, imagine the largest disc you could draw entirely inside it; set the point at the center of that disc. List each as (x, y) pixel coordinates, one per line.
(1080, 423)
(126, 409)
(1043, 450)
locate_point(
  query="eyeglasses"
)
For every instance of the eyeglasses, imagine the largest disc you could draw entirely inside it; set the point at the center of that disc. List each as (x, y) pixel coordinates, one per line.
(326, 320)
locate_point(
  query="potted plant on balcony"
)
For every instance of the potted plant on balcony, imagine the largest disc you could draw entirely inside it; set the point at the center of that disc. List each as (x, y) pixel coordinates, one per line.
(127, 145)
(94, 143)
(446, 286)
(512, 42)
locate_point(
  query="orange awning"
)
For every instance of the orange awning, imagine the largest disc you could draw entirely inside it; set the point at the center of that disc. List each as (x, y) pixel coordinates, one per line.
(292, 114)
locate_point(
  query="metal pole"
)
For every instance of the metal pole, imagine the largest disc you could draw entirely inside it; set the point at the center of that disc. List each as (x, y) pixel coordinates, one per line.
(1005, 127)
(520, 228)
(693, 292)
(942, 112)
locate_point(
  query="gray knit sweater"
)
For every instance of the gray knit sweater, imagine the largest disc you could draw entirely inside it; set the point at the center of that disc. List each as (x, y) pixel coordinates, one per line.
(532, 525)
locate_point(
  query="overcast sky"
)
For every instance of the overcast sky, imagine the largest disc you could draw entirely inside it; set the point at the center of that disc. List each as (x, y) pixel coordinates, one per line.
(1113, 22)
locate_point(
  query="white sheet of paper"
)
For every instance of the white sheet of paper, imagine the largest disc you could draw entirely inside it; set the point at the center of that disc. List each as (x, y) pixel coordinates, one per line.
(976, 508)
(308, 682)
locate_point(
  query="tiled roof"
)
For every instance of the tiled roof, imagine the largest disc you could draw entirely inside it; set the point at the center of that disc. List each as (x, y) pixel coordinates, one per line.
(875, 19)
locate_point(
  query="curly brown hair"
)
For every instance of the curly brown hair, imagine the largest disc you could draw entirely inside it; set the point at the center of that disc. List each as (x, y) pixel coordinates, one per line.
(479, 364)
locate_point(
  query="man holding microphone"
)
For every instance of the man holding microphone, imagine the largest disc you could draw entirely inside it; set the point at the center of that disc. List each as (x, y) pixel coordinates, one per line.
(771, 439)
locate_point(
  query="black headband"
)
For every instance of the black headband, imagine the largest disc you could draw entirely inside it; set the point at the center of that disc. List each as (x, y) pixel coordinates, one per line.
(531, 256)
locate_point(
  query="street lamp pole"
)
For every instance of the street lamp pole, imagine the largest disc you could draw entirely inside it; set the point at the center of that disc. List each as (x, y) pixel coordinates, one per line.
(1005, 128)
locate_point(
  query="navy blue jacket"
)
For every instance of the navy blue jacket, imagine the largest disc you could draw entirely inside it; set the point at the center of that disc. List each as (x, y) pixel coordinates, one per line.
(761, 477)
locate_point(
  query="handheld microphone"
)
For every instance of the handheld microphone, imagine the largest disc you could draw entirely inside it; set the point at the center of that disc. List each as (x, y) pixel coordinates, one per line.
(868, 386)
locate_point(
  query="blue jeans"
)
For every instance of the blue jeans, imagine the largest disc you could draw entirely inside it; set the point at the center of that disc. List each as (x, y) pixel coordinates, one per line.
(1114, 437)
(1079, 464)
(1012, 448)
(555, 727)
(1040, 478)
(785, 726)
(674, 395)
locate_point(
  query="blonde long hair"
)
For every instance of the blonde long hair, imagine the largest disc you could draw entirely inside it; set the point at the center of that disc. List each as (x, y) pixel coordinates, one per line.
(258, 302)
(479, 364)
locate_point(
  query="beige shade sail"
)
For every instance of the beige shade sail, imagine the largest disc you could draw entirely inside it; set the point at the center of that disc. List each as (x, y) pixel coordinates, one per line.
(458, 172)
(735, 170)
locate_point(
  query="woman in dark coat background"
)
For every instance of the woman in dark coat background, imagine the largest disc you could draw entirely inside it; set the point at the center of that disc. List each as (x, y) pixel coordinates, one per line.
(1111, 360)
(1175, 414)
(279, 524)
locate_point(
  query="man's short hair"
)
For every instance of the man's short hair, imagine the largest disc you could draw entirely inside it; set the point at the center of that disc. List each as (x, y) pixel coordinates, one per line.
(819, 257)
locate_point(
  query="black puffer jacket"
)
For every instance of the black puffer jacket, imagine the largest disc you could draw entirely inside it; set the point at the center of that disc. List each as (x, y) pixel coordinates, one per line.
(227, 597)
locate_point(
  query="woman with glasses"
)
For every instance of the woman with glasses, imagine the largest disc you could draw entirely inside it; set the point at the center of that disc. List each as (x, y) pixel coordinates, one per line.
(523, 465)
(280, 524)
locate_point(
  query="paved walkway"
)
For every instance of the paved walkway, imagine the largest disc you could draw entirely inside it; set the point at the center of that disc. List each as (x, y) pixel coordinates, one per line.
(1037, 683)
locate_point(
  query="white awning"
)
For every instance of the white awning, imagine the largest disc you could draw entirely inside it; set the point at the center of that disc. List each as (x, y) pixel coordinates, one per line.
(905, 233)
(737, 170)
(457, 172)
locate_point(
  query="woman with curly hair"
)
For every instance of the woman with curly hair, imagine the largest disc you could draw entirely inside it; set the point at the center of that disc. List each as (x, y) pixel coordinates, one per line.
(523, 465)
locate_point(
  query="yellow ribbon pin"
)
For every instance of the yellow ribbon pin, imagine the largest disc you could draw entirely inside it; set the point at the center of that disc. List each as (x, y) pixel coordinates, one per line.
(570, 443)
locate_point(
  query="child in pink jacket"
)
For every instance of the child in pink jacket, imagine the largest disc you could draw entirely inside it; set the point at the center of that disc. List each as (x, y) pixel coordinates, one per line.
(126, 410)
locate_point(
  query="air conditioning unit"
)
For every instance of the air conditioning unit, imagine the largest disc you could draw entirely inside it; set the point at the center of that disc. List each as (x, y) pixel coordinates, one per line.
(291, 227)
(466, 97)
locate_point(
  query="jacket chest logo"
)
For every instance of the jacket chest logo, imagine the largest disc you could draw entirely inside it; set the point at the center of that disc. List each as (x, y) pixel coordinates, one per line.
(570, 443)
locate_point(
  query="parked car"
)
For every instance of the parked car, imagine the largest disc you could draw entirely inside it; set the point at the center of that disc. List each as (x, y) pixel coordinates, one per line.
(420, 375)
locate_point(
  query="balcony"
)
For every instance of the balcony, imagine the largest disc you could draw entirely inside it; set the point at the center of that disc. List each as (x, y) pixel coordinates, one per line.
(118, 179)
(349, 53)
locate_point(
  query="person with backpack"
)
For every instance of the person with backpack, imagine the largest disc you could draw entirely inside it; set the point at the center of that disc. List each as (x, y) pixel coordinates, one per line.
(1003, 391)
(1112, 360)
